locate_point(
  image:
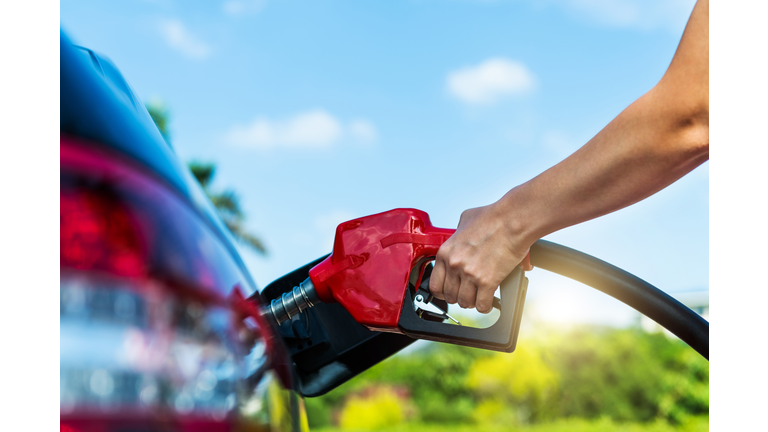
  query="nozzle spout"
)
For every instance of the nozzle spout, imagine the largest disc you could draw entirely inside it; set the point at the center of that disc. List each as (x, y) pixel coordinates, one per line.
(292, 302)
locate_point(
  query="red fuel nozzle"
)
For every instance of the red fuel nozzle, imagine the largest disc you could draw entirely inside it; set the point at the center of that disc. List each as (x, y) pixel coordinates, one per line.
(373, 256)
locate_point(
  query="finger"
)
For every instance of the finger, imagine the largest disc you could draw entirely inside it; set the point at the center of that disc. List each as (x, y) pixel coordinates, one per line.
(484, 300)
(437, 279)
(451, 285)
(467, 293)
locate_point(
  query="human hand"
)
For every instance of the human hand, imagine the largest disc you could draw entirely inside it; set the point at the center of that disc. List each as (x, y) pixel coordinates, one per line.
(471, 264)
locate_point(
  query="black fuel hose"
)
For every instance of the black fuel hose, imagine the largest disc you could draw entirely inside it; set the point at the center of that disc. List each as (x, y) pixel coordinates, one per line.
(650, 301)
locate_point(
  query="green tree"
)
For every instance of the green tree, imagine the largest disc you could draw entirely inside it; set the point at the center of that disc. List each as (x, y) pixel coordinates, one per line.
(505, 383)
(160, 115)
(226, 202)
(627, 375)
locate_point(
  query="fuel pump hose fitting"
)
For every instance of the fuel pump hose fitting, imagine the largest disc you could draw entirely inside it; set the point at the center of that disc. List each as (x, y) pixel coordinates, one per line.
(292, 302)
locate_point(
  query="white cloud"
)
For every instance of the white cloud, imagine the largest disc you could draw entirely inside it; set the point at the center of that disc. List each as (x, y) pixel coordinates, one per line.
(490, 81)
(180, 39)
(240, 7)
(312, 129)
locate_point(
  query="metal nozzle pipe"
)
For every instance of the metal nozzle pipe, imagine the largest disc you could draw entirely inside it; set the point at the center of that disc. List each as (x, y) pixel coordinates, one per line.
(292, 302)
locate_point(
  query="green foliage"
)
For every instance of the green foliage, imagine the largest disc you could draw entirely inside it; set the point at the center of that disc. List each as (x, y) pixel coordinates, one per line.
(522, 380)
(203, 172)
(161, 116)
(686, 388)
(319, 412)
(590, 378)
(374, 409)
(628, 375)
(614, 373)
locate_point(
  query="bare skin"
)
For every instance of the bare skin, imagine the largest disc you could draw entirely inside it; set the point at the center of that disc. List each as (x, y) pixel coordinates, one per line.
(656, 140)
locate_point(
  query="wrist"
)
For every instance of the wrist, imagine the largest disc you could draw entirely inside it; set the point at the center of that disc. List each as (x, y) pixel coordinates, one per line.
(521, 216)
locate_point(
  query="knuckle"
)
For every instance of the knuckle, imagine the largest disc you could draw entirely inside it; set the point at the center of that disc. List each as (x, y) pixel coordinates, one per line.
(450, 297)
(484, 282)
(466, 301)
(468, 214)
(482, 307)
(471, 271)
(443, 252)
(454, 262)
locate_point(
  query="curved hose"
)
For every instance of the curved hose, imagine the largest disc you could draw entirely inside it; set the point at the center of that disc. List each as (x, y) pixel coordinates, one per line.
(627, 288)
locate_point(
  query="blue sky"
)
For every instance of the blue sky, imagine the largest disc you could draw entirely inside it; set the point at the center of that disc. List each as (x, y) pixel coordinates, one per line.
(319, 112)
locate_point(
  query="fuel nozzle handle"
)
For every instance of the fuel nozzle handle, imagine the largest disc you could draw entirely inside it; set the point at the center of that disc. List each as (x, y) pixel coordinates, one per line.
(292, 303)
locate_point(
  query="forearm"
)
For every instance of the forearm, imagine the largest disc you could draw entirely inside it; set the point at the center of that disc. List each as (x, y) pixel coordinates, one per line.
(646, 148)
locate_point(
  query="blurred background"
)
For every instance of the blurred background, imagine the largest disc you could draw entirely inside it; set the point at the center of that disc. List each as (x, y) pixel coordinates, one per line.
(296, 116)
